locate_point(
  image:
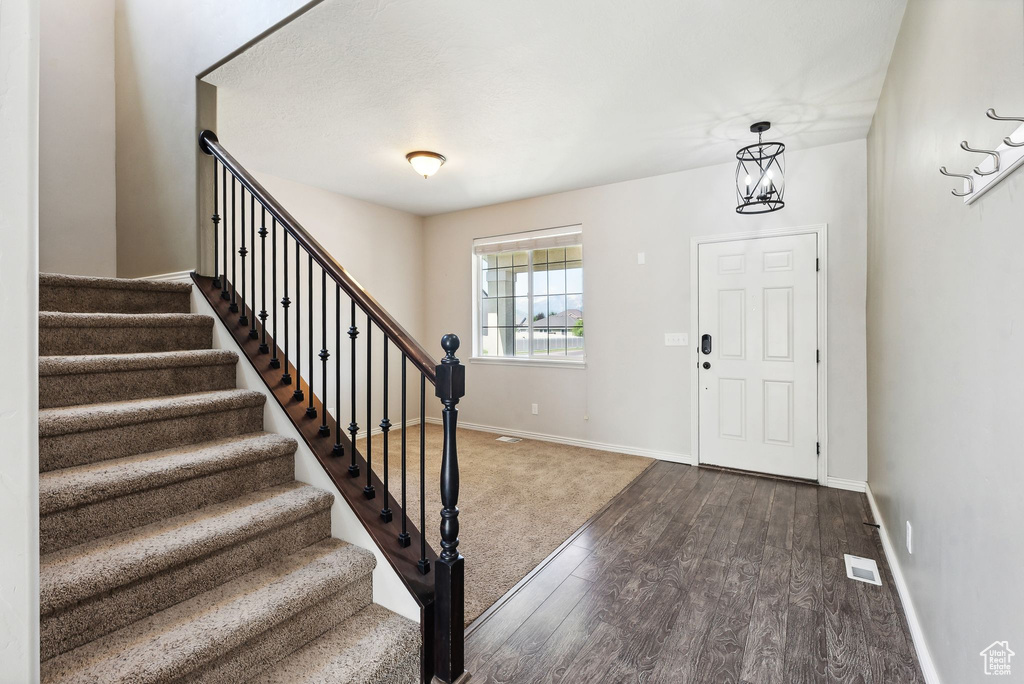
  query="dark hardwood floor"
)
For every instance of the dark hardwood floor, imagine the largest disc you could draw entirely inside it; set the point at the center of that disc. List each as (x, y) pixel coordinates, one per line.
(697, 575)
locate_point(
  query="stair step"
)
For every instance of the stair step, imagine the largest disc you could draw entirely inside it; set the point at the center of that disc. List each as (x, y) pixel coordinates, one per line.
(374, 646)
(89, 590)
(71, 380)
(76, 435)
(116, 333)
(86, 502)
(234, 631)
(124, 295)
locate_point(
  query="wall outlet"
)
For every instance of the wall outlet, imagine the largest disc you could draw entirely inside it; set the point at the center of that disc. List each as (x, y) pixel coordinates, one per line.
(533, 409)
(677, 339)
(641, 258)
(910, 538)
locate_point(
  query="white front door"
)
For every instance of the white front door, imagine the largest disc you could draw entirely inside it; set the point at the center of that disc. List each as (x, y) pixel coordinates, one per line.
(758, 390)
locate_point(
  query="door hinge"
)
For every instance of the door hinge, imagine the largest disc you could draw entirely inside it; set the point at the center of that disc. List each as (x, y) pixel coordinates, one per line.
(817, 356)
(818, 448)
(817, 264)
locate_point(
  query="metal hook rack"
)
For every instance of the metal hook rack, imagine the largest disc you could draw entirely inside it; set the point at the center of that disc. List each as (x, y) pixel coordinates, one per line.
(997, 165)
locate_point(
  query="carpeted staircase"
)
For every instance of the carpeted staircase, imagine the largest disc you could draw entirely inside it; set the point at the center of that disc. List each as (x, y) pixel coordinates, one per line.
(176, 544)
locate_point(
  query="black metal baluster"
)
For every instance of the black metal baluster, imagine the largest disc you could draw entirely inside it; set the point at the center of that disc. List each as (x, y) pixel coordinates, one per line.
(339, 450)
(324, 354)
(297, 394)
(368, 491)
(224, 192)
(274, 361)
(449, 573)
(253, 334)
(285, 304)
(216, 219)
(385, 428)
(353, 426)
(423, 563)
(263, 280)
(242, 252)
(403, 537)
(310, 410)
(234, 302)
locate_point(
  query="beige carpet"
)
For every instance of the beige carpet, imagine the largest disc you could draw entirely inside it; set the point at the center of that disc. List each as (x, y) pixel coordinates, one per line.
(517, 502)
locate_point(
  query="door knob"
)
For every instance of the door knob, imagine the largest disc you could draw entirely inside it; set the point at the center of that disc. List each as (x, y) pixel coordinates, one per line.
(707, 365)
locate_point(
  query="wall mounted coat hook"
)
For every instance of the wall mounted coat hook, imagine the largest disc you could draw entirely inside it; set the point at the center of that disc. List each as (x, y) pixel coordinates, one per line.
(1008, 141)
(995, 158)
(969, 179)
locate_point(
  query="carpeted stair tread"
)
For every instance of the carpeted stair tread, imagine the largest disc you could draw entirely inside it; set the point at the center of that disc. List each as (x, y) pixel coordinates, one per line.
(62, 333)
(71, 487)
(89, 294)
(76, 573)
(374, 646)
(63, 319)
(71, 419)
(88, 379)
(133, 284)
(50, 366)
(179, 642)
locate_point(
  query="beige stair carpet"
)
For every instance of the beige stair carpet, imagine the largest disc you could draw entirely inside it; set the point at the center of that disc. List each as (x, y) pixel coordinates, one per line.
(175, 543)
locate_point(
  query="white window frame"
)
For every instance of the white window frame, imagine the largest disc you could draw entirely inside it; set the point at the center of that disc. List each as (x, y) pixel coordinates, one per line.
(510, 243)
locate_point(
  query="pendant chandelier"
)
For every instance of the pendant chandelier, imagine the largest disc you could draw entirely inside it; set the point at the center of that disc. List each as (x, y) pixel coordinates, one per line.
(760, 175)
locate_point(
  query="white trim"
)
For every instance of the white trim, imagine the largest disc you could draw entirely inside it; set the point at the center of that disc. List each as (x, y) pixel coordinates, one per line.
(843, 483)
(585, 443)
(531, 362)
(924, 657)
(821, 230)
(185, 276)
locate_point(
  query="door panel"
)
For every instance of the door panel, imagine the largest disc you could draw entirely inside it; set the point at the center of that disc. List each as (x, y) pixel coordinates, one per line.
(757, 403)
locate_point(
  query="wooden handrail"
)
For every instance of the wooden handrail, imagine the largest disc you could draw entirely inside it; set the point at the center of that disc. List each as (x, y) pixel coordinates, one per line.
(419, 356)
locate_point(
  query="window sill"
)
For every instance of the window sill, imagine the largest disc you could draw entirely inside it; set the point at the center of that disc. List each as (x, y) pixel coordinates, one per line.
(530, 363)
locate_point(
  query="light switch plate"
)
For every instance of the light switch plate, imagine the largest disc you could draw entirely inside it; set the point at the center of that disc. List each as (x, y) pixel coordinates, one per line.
(641, 258)
(677, 339)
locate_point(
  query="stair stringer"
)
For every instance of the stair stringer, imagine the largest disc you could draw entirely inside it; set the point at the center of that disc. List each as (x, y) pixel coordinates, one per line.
(388, 589)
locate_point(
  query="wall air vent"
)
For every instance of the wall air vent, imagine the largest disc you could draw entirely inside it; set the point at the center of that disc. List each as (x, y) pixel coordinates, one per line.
(510, 440)
(862, 569)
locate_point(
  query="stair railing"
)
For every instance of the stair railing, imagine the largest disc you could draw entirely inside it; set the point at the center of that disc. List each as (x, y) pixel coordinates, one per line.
(281, 366)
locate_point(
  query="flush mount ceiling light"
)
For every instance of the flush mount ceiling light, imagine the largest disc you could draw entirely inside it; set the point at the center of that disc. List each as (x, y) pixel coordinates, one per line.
(760, 175)
(425, 163)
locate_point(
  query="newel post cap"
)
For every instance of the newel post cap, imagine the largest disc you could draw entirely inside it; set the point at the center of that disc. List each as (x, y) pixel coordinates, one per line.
(451, 374)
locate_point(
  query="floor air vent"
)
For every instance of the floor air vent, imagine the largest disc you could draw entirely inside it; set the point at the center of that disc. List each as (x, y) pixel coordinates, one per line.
(862, 569)
(510, 440)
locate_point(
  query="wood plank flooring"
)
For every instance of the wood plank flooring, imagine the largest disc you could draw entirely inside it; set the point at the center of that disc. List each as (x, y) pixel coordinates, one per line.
(697, 575)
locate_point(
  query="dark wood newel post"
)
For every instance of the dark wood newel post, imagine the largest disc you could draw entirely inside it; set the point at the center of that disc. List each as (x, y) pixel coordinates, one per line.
(449, 572)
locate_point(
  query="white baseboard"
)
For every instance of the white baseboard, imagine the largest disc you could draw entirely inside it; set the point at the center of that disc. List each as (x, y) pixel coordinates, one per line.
(931, 675)
(585, 443)
(185, 276)
(843, 483)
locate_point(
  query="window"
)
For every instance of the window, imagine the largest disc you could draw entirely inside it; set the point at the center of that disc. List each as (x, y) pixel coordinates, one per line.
(529, 297)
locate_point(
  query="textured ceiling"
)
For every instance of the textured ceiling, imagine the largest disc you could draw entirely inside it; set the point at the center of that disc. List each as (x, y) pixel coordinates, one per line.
(530, 97)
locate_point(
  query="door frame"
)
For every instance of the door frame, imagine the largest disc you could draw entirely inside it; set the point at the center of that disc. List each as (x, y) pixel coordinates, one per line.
(821, 230)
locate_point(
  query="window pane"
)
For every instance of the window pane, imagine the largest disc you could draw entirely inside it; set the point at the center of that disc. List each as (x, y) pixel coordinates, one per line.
(556, 279)
(574, 277)
(505, 311)
(522, 311)
(488, 260)
(574, 253)
(489, 312)
(540, 279)
(504, 278)
(505, 259)
(519, 258)
(506, 341)
(522, 284)
(487, 282)
(488, 341)
(556, 254)
(556, 311)
(522, 336)
(556, 342)
(574, 303)
(540, 311)
(540, 256)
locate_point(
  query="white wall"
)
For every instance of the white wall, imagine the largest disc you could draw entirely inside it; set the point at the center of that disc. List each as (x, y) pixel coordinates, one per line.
(635, 390)
(945, 315)
(19, 302)
(77, 230)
